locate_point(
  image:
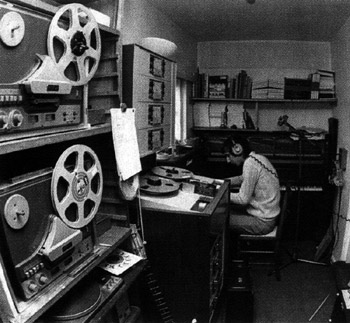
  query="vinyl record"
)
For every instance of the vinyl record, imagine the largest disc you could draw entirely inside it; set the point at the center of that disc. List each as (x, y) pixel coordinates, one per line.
(155, 185)
(80, 301)
(175, 173)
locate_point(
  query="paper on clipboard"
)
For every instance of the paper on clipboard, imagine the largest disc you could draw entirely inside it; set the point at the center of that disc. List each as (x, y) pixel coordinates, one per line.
(125, 142)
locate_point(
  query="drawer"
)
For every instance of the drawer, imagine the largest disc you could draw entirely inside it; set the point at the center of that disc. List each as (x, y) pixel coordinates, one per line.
(152, 114)
(153, 139)
(151, 90)
(151, 65)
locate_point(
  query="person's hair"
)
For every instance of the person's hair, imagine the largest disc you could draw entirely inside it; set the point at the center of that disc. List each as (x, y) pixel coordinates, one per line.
(230, 142)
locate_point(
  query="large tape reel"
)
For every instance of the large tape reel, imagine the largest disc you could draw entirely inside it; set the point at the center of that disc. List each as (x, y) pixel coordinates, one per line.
(76, 47)
(76, 186)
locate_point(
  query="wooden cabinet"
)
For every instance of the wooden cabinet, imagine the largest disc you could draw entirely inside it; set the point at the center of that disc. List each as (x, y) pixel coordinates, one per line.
(149, 88)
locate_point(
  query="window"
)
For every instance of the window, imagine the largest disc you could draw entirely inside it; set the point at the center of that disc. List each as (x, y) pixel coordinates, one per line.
(181, 105)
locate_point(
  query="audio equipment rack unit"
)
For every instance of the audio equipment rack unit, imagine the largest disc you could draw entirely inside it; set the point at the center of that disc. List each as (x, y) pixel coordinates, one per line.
(105, 86)
(149, 88)
(51, 285)
(43, 112)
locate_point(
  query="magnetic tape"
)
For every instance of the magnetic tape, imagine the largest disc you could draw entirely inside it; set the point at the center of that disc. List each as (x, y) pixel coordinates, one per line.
(47, 222)
(46, 60)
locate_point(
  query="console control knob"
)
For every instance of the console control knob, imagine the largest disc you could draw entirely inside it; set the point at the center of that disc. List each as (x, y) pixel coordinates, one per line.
(4, 120)
(42, 279)
(33, 287)
(16, 118)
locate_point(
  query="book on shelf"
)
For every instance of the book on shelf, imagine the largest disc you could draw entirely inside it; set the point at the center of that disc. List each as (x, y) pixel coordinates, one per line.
(297, 89)
(243, 86)
(315, 85)
(218, 86)
(326, 84)
(232, 88)
(205, 85)
(200, 86)
(268, 89)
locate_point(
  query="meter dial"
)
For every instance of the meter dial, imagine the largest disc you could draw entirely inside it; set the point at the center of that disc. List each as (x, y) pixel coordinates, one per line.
(16, 211)
(12, 28)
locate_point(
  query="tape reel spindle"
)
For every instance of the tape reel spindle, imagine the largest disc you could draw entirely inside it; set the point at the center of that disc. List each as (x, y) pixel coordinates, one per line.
(76, 186)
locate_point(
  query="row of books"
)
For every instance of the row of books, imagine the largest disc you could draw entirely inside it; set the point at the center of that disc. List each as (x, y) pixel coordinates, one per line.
(318, 85)
(268, 89)
(221, 86)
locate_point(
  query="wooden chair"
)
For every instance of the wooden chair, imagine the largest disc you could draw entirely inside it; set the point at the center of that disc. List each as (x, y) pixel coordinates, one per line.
(268, 244)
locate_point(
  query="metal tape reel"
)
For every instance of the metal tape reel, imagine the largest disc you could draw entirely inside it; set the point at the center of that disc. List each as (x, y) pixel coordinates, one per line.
(74, 43)
(154, 185)
(76, 186)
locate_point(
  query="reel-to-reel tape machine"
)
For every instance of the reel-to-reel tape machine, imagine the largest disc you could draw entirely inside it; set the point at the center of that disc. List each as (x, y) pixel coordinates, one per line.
(46, 225)
(45, 62)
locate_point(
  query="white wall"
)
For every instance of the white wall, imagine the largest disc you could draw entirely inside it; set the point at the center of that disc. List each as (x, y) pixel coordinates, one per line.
(341, 63)
(269, 60)
(140, 20)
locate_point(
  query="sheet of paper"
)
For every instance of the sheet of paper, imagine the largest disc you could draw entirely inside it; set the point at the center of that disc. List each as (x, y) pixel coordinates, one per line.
(125, 143)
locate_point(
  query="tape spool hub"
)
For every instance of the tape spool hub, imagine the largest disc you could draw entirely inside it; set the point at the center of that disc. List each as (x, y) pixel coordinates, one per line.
(74, 43)
(76, 186)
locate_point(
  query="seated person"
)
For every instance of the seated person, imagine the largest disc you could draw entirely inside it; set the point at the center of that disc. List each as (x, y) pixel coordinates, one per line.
(255, 207)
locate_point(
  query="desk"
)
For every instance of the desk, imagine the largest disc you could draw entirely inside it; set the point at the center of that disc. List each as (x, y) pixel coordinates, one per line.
(186, 250)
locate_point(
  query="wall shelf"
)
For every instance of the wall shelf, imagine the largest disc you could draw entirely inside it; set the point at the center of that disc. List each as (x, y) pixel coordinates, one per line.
(224, 130)
(258, 105)
(21, 143)
(270, 101)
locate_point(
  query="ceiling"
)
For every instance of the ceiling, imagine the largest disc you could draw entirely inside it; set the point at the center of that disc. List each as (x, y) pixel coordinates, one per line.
(210, 20)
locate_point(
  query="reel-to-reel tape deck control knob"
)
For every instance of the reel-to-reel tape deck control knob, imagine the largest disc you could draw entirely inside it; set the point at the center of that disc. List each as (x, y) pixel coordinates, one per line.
(4, 119)
(15, 118)
(16, 211)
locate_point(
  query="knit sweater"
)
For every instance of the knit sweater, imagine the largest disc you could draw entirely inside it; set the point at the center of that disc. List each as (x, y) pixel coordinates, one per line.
(260, 189)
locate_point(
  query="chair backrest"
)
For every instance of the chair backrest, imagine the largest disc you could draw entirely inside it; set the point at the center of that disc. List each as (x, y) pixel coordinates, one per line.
(283, 213)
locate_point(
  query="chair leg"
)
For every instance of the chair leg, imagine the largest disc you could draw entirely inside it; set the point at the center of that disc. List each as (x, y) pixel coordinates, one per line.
(276, 269)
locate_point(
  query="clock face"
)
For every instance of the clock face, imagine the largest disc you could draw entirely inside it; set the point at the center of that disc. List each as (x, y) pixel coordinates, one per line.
(12, 28)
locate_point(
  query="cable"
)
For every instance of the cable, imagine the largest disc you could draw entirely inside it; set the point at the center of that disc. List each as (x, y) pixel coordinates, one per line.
(339, 216)
(140, 218)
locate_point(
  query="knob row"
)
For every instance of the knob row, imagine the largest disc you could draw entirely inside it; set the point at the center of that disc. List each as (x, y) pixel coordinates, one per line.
(13, 119)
